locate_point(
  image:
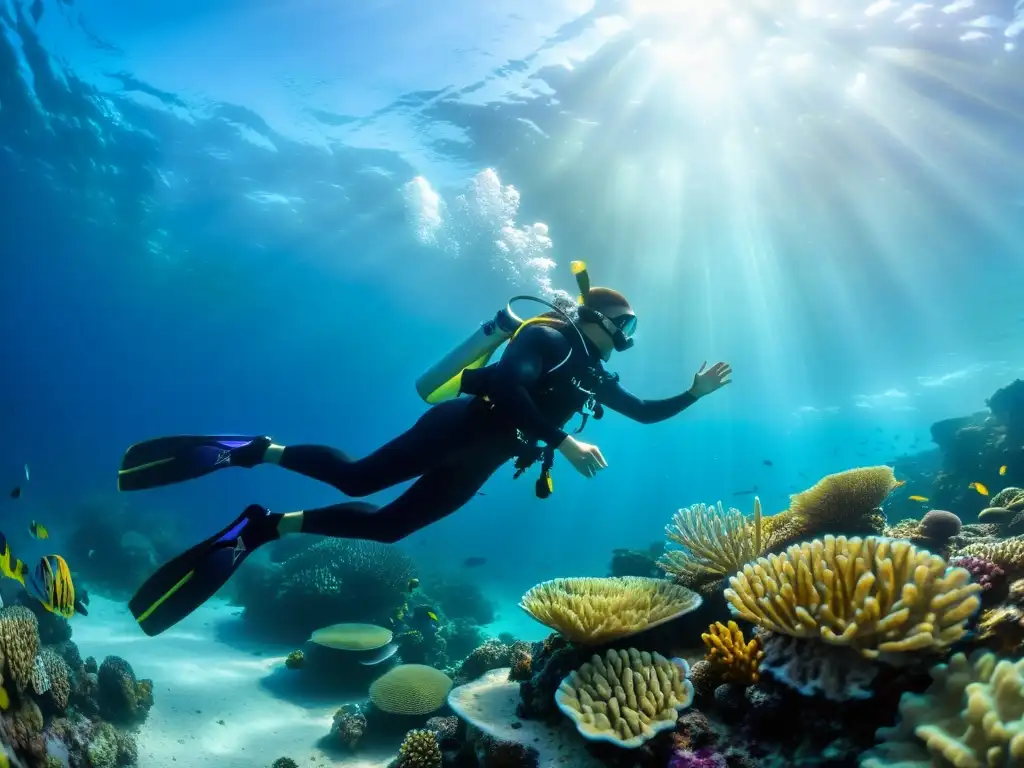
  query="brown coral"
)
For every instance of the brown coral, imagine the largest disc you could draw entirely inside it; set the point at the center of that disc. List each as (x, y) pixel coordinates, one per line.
(19, 643)
(1008, 554)
(521, 662)
(349, 725)
(732, 659)
(59, 675)
(420, 750)
(845, 502)
(874, 595)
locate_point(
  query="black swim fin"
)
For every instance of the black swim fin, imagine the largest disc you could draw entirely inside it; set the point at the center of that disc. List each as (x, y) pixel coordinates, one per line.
(192, 578)
(166, 460)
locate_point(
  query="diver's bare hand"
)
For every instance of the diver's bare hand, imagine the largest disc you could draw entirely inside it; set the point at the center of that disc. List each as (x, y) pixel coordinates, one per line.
(586, 458)
(706, 382)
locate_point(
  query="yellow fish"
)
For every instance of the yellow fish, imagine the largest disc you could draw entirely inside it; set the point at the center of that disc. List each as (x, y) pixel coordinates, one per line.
(918, 498)
(979, 488)
(50, 583)
(38, 530)
(432, 615)
(5, 699)
(1002, 470)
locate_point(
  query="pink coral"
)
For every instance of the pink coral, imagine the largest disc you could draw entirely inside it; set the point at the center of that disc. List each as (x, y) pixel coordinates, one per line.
(701, 758)
(983, 571)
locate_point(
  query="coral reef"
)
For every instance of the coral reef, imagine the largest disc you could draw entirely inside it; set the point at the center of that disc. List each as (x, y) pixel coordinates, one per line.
(410, 689)
(878, 596)
(636, 562)
(457, 598)
(1008, 554)
(596, 610)
(845, 502)
(625, 697)
(349, 725)
(730, 658)
(551, 660)
(348, 581)
(814, 668)
(492, 655)
(420, 749)
(295, 660)
(122, 697)
(713, 543)
(19, 644)
(969, 716)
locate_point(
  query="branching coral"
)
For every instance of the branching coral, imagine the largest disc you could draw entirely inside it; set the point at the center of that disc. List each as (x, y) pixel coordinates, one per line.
(1008, 554)
(844, 502)
(875, 595)
(971, 715)
(598, 610)
(713, 542)
(625, 697)
(732, 660)
(420, 750)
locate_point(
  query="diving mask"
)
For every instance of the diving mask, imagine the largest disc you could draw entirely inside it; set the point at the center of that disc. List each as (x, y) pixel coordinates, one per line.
(621, 329)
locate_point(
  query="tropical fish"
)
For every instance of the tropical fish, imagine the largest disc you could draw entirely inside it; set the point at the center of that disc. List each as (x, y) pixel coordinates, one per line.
(1002, 470)
(980, 488)
(38, 530)
(918, 498)
(473, 562)
(413, 583)
(50, 583)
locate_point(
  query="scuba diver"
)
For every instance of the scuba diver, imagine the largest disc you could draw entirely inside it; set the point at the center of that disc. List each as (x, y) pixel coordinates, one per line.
(482, 416)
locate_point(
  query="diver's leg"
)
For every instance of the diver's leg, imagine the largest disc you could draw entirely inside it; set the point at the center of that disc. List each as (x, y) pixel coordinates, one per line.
(436, 438)
(435, 495)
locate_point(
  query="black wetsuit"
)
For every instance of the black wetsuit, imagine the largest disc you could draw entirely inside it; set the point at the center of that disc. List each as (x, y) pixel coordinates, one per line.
(538, 385)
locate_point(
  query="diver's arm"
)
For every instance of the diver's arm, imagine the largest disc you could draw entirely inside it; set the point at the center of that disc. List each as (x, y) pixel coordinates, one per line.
(614, 396)
(530, 355)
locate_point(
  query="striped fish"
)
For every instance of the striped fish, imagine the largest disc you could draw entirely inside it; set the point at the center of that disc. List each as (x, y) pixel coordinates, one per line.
(50, 583)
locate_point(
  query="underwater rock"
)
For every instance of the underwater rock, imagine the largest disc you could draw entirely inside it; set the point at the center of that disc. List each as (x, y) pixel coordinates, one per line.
(636, 562)
(553, 659)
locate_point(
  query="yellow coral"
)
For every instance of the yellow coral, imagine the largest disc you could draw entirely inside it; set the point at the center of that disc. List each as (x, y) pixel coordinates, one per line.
(19, 643)
(1008, 554)
(732, 659)
(599, 610)
(420, 750)
(874, 595)
(842, 502)
(410, 689)
(625, 697)
(714, 542)
(969, 716)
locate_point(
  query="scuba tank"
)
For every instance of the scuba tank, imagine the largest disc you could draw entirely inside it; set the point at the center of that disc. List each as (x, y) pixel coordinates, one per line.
(443, 380)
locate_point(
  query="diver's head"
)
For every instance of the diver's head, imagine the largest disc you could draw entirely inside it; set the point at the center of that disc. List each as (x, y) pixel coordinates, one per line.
(608, 320)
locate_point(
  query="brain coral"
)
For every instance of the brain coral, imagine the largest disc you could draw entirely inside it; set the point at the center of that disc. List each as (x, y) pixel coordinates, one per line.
(599, 610)
(410, 689)
(874, 595)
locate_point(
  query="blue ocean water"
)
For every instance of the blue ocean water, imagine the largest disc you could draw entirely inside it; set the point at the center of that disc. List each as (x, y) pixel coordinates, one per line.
(270, 218)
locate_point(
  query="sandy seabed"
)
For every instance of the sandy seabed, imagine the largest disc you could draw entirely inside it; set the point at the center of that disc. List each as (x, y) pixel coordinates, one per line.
(211, 710)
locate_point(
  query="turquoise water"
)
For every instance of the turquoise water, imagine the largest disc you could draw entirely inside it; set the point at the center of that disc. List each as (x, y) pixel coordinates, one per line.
(271, 218)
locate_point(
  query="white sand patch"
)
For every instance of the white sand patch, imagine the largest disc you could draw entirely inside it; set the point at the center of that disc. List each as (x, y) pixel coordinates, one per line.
(199, 680)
